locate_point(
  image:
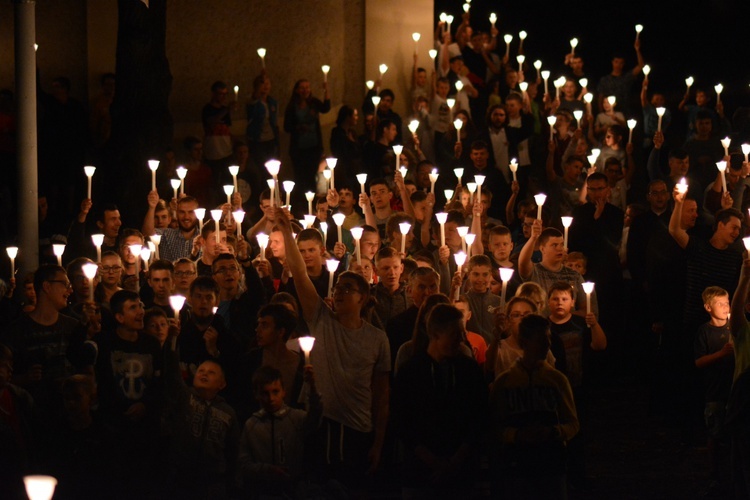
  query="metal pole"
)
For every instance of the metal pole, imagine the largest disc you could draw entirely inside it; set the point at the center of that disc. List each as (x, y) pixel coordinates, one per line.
(25, 58)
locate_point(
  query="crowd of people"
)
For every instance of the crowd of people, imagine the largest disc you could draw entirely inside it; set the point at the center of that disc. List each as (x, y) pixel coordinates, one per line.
(460, 319)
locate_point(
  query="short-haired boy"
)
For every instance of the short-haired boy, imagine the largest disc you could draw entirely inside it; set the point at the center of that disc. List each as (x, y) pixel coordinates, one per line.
(577, 262)
(714, 356)
(481, 300)
(272, 447)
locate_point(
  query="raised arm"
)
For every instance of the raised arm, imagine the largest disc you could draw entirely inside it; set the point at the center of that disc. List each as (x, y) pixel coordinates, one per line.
(675, 227)
(638, 54)
(525, 266)
(306, 293)
(148, 221)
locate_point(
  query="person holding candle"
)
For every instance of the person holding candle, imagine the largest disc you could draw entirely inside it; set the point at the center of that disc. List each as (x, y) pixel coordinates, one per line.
(494, 179)
(198, 180)
(650, 117)
(440, 451)
(564, 191)
(377, 214)
(390, 293)
(110, 270)
(346, 147)
(702, 101)
(679, 165)
(108, 222)
(384, 110)
(608, 117)
(378, 156)
(441, 114)
(569, 98)
(619, 82)
(354, 361)
(302, 122)
(705, 149)
(277, 426)
(310, 244)
(262, 122)
(209, 248)
(344, 201)
(496, 137)
(131, 279)
(737, 194)
(82, 288)
(161, 281)
(422, 141)
(177, 242)
(481, 300)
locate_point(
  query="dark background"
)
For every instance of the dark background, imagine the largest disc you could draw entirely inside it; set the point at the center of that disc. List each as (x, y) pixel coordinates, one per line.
(708, 40)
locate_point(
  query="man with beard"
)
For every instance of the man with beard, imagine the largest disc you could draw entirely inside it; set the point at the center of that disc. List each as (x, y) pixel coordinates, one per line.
(175, 243)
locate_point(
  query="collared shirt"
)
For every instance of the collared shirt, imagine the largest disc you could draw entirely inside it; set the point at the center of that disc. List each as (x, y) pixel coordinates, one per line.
(173, 246)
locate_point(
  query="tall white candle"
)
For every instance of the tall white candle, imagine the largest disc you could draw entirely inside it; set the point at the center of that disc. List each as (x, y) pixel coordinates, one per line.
(442, 217)
(588, 288)
(89, 171)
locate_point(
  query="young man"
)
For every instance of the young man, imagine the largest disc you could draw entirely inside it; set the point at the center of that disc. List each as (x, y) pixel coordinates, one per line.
(210, 247)
(481, 300)
(310, 244)
(272, 455)
(354, 362)
(499, 251)
(344, 201)
(552, 268)
(128, 279)
(110, 271)
(175, 243)
(439, 401)
(389, 293)
(184, 274)
(107, 222)
(380, 196)
(534, 416)
(494, 179)
(161, 281)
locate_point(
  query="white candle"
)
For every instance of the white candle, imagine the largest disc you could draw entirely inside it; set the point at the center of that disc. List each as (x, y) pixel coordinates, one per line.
(545, 77)
(718, 88)
(262, 54)
(397, 149)
(338, 219)
(573, 45)
(722, 166)
(89, 171)
(404, 228)
(493, 19)
(325, 68)
(288, 187)
(587, 98)
(469, 241)
(508, 38)
(324, 231)
(462, 232)
(262, 243)
(726, 142)
(382, 68)
(538, 66)
(58, 249)
(153, 165)
(216, 216)
(416, 37)
(460, 258)
(479, 179)
(156, 238)
(176, 302)
(551, 120)
(39, 487)
(306, 344)
(539, 199)
(12, 253)
(357, 235)
(310, 196)
(181, 173)
(689, 82)
(459, 172)
(331, 265)
(200, 214)
(433, 179)
(135, 250)
(588, 288)
(175, 187)
(239, 216)
(566, 222)
(506, 274)
(234, 170)
(98, 240)
(631, 125)
(638, 29)
(660, 113)
(513, 169)
(745, 150)
(362, 179)
(442, 217)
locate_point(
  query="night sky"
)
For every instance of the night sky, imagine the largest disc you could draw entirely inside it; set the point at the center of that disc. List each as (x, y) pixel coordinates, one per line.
(709, 41)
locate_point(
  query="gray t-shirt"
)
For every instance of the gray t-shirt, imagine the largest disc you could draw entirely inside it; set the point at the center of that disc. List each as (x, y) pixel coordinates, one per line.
(345, 361)
(545, 278)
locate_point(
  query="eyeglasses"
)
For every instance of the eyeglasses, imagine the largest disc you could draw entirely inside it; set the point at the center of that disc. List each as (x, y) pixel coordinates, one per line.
(111, 269)
(225, 270)
(346, 289)
(183, 274)
(65, 283)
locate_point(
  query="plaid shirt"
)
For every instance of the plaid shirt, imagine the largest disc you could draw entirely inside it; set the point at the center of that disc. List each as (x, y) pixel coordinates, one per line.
(173, 246)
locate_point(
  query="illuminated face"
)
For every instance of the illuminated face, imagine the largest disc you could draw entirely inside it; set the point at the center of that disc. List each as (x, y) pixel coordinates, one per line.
(552, 250)
(110, 226)
(701, 99)
(569, 90)
(576, 265)
(346, 199)
(598, 190)
(209, 377)
(421, 78)
(125, 253)
(162, 219)
(227, 274)
(573, 171)
(369, 244)
(186, 216)
(479, 157)
(528, 221)
(266, 332)
(131, 317)
(202, 303)
(519, 311)
(276, 244)
(442, 89)
(658, 197)
(158, 328)
(689, 214)
(718, 308)
(479, 278)
(312, 253)
(211, 249)
(497, 117)
(161, 282)
(389, 272)
(367, 269)
(321, 211)
(184, 274)
(679, 167)
(501, 246)
(380, 196)
(560, 304)
(729, 231)
(452, 238)
(422, 287)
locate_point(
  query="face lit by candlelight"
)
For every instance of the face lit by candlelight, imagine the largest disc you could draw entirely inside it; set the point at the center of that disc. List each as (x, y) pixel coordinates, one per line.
(110, 223)
(727, 232)
(598, 190)
(658, 197)
(302, 89)
(552, 251)
(312, 254)
(719, 307)
(701, 99)
(678, 167)
(421, 78)
(569, 90)
(202, 303)
(380, 196)
(560, 304)
(422, 287)
(125, 254)
(369, 245)
(497, 117)
(389, 271)
(501, 245)
(162, 219)
(186, 215)
(271, 396)
(442, 89)
(479, 158)
(572, 171)
(276, 244)
(576, 64)
(689, 214)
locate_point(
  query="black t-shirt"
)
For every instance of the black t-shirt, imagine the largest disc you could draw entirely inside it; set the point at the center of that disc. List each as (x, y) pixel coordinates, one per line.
(718, 375)
(571, 346)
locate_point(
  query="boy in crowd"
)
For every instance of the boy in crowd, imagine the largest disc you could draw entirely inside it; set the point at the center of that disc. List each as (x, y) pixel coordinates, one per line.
(577, 262)
(714, 356)
(534, 416)
(500, 249)
(476, 341)
(481, 300)
(161, 281)
(156, 324)
(272, 447)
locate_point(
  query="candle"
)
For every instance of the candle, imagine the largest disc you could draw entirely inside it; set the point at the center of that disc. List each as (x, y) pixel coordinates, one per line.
(89, 171)
(416, 37)
(449, 20)
(583, 82)
(273, 167)
(682, 186)
(442, 217)
(369, 84)
(98, 240)
(479, 179)
(331, 265)
(262, 243)
(689, 82)
(660, 112)
(433, 179)
(506, 273)
(239, 216)
(538, 66)
(448, 193)
(362, 179)
(472, 187)
(588, 287)
(310, 196)
(153, 165)
(306, 344)
(228, 190)
(236, 92)
(493, 19)
(592, 161)
(514, 169)
(462, 232)
(573, 45)
(545, 77)
(646, 71)
(413, 126)
(587, 98)
(216, 216)
(539, 199)
(558, 85)
(338, 219)
(522, 36)
(288, 187)
(508, 38)
(551, 120)
(181, 173)
(459, 173)
(566, 222)
(397, 149)
(433, 54)
(327, 176)
(135, 250)
(403, 171)
(612, 100)
(39, 487)
(523, 86)
(578, 114)
(262, 54)
(469, 241)
(631, 125)
(638, 29)
(175, 187)
(467, 6)
(324, 231)
(745, 150)
(404, 228)
(722, 166)
(176, 302)
(58, 249)
(726, 142)
(718, 88)
(234, 170)
(145, 256)
(451, 102)
(746, 242)
(12, 253)
(460, 258)
(357, 235)
(200, 214)
(382, 68)
(156, 238)
(309, 221)
(325, 68)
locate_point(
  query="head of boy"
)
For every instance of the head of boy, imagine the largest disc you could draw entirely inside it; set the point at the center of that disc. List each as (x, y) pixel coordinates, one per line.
(380, 194)
(370, 242)
(480, 273)
(226, 271)
(209, 379)
(418, 203)
(551, 244)
(155, 324)
(454, 220)
(350, 293)
(727, 227)
(598, 187)
(577, 262)
(462, 304)
(389, 268)
(561, 299)
(203, 297)
(716, 303)
(211, 248)
(393, 230)
(445, 328)
(78, 393)
(534, 338)
(423, 282)
(128, 309)
(276, 323)
(269, 389)
(347, 199)
(310, 244)
(501, 243)
(161, 281)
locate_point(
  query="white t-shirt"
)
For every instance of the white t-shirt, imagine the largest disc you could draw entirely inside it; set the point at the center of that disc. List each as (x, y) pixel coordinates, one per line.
(345, 361)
